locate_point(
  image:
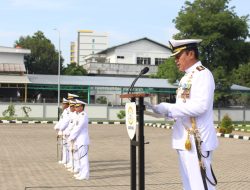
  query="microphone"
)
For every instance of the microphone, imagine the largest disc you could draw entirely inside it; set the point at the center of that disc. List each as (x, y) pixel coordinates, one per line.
(143, 71)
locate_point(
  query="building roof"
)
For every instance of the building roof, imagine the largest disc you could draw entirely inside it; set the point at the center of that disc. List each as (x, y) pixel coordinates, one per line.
(14, 50)
(14, 79)
(12, 67)
(86, 31)
(111, 48)
(100, 81)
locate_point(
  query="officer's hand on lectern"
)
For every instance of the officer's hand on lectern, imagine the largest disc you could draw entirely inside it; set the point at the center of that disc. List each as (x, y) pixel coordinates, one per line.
(148, 105)
(161, 108)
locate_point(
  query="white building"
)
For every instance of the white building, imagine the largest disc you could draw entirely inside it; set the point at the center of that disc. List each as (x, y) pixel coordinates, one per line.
(88, 42)
(128, 58)
(13, 81)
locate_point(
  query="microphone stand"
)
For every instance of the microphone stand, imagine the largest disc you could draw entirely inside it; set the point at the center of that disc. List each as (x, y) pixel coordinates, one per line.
(143, 71)
(130, 90)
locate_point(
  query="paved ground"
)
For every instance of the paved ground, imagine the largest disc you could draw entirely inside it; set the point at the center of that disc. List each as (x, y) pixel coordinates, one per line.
(28, 160)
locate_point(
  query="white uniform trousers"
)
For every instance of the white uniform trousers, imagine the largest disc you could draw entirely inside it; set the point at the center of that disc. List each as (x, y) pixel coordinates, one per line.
(65, 153)
(83, 162)
(190, 169)
(76, 160)
(69, 150)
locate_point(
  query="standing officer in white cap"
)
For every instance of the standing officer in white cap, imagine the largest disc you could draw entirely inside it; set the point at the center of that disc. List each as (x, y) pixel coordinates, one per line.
(63, 124)
(194, 136)
(66, 132)
(63, 118)
(65, 107)
(79, 136)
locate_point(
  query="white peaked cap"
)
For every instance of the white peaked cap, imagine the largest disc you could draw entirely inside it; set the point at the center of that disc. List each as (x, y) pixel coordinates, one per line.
(178, 45)
(65, 101)
(79, 102)
(72, 96)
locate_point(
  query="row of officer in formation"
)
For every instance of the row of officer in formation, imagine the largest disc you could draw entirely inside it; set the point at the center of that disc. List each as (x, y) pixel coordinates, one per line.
(72, 134)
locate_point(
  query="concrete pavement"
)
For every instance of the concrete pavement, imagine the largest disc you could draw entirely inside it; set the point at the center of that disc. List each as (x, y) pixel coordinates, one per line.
(28, 160)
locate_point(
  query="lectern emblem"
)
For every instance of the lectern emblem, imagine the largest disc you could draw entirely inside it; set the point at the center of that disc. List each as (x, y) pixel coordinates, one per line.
(130, 116)
(131, 119)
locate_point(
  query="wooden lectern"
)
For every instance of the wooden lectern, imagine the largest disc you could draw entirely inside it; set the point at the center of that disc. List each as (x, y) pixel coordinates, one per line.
(140, 143)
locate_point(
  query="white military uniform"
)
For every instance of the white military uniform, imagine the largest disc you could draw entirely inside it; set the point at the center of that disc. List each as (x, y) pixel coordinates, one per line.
(63, 121)
(80, 136)
(194, 99)
(64, 114)
(199, 81)
(64, 125)
(67, 131)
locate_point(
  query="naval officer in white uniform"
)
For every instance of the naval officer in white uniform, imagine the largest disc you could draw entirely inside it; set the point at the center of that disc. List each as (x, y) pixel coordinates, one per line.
(65, 107)
(193, 112)
(79, 136)
(63, 118)
(63, 124)
(66, 132)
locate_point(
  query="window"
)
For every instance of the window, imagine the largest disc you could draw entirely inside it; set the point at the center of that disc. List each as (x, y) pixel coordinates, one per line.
(120, 57)
(4, 85)
(159, 61)
(93, 40)
(143, 61)
(12, 85)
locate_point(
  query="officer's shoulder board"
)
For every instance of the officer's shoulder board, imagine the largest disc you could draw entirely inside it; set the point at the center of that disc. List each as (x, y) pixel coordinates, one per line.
(200, 68)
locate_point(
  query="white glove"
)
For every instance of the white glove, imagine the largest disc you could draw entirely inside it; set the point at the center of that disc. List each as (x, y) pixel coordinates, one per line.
(57, 126)
(60, 133)
(148, 105)
(162, 108)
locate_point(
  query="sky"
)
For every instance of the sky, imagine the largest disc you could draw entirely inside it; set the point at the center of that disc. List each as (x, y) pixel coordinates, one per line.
(123, 20)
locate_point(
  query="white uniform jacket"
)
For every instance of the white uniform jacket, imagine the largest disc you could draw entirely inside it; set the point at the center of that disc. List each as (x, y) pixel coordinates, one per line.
(63, 118)
(65, 122)
(80, 134)
(73, 118)
(198, 104)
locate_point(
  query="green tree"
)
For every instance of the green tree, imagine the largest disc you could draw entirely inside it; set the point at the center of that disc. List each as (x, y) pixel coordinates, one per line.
(169, 71)
(223, 32)
(222, 92)
(241, 76)
(74, 69)
(43, 58)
